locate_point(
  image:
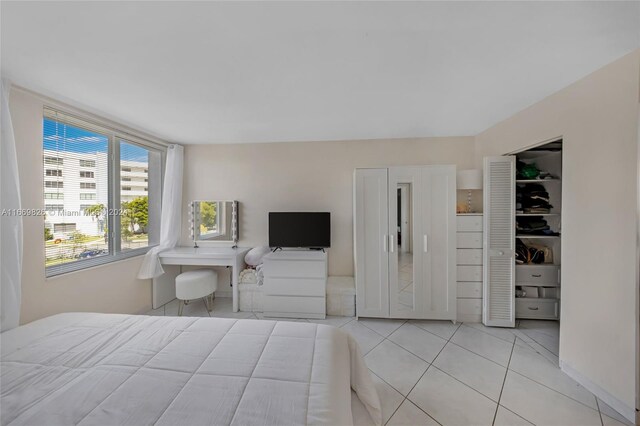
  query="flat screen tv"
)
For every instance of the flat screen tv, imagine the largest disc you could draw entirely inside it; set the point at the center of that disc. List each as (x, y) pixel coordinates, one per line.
(300, 229)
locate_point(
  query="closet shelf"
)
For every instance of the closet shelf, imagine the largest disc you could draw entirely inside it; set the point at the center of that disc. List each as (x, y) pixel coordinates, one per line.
(536, 264)
(537, 236)
(537, 180)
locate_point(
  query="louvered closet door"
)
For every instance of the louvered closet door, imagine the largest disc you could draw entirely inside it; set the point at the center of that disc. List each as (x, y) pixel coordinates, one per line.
(499, 242)
(436, 243)
(371, 243)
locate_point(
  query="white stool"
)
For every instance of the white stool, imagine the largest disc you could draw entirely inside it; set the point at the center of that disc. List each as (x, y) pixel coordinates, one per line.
(191, 285)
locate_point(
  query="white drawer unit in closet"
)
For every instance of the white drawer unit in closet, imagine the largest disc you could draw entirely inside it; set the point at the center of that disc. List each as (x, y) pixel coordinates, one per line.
(546, 280)
(532, 308)
(469, 267)
(538, 275)
(295, 284)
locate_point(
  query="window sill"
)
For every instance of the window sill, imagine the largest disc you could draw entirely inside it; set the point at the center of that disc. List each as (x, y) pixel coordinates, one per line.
(52, 272)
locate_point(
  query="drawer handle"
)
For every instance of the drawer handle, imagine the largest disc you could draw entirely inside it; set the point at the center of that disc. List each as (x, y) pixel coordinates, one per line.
(531, 308)
(536, 275)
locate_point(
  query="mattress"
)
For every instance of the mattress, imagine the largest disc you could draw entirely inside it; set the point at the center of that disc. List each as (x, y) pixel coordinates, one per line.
(106, 369)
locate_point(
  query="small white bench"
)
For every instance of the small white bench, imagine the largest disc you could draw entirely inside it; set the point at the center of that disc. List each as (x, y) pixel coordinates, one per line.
(192, 285)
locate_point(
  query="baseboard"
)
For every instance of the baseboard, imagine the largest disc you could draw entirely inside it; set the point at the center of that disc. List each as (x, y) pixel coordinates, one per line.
(627, 412)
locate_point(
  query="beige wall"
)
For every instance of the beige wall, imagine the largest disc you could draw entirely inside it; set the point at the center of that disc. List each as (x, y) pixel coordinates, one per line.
(107, 288)
(311, 176)
(597, 118)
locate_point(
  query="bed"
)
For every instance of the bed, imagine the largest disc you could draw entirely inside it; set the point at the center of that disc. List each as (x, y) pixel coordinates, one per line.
(107, 369)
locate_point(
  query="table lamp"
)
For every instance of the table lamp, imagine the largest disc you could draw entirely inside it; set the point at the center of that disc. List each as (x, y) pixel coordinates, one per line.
(469, 180)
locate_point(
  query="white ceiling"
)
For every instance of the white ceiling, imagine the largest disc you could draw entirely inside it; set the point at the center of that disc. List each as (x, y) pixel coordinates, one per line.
(203, 72)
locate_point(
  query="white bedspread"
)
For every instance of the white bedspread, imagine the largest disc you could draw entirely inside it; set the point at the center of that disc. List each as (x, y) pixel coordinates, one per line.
(101, 369)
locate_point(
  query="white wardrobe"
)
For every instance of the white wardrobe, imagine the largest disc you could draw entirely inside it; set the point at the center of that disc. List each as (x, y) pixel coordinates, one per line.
(405, 242)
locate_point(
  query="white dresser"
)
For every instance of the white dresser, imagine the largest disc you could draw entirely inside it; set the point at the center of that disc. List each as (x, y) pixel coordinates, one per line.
(295, 284)
(469, 267)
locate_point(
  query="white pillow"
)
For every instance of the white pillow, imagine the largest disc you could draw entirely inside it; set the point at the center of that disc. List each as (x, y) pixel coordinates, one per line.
(255, 255)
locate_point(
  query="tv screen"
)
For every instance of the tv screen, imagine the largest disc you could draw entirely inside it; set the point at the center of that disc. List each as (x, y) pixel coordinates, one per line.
(299, 229)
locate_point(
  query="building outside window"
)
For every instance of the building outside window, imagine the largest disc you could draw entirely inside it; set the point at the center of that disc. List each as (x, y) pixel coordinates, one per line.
(86, 174)
(87, 163)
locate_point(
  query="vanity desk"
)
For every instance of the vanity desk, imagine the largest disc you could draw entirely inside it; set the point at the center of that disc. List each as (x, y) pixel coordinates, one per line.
(164, 289)
(214, 230)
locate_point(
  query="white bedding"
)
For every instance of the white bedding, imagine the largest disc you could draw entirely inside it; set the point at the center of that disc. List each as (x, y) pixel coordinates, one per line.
(102, 369)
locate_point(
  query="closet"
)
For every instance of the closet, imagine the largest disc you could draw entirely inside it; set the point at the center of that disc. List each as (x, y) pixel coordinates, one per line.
(522, 235)
(405, 242)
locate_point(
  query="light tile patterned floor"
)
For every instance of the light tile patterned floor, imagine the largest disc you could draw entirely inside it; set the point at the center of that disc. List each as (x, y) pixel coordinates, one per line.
(437, 372)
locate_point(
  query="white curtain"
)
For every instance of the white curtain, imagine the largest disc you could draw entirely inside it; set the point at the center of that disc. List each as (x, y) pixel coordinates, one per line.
(171, 217)
(11, 224)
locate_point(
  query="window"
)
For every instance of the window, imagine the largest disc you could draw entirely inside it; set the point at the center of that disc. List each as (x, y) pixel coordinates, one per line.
(108, 223)
(54, 161)
(126, 179)
(135, 199)
(64, 227)
(54, 207)
(126, 169)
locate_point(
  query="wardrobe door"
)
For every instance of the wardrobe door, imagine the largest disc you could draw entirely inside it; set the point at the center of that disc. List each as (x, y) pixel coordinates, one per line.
(371, 217)
(404, 185)
(499, 240)
(435, 246)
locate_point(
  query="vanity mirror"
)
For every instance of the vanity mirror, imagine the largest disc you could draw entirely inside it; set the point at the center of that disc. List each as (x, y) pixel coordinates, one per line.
(214, 222)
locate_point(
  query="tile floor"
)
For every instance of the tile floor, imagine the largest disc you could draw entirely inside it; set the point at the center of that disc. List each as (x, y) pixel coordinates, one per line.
(436, 372)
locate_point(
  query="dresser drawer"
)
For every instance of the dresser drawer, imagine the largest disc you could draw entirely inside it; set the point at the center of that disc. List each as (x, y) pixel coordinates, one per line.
(294, 286)
(469, 240)
(296, 306)
(469, 290)
(469, 273)
(469, 256)
(295, 269)
(537, 274)
(469, 223)
(536, 308)
(469, 306)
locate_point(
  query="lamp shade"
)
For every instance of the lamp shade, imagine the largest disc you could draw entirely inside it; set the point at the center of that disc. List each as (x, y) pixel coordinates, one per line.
(469, 179)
